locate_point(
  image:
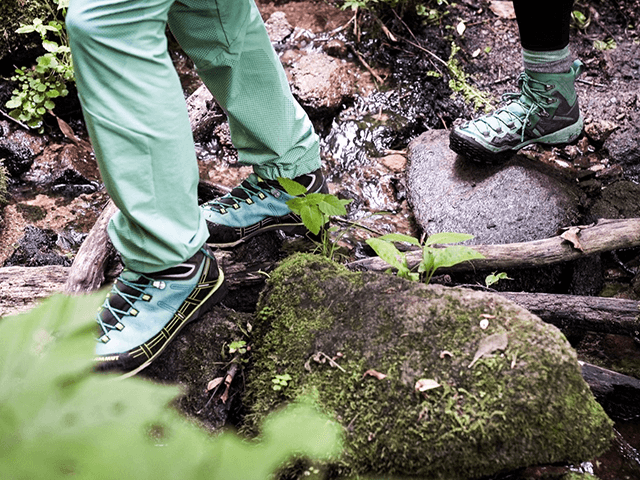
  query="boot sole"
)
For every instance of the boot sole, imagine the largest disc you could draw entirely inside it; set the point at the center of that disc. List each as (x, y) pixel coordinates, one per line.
(476, 151)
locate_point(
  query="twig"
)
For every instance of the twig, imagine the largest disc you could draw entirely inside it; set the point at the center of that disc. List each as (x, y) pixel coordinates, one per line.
(228, 378)
(500, 80)
(587, 82)
(9, 117)
(364, 63)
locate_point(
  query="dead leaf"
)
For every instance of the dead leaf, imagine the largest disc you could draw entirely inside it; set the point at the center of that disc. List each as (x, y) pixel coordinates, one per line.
(488, 345)
(503, 9)
(425, 384)
(461, 27)
(214, 383)
(571, 236)
(373, 373)
(446, 353)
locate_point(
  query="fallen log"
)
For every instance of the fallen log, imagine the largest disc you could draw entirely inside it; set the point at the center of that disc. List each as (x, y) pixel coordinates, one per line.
(618, 394)
(21, 287)
(604, 236)
(87, 272)
(571, 312)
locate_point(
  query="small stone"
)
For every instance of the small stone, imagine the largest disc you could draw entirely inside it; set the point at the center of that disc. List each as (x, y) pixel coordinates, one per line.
(395, 162)
(599, 130)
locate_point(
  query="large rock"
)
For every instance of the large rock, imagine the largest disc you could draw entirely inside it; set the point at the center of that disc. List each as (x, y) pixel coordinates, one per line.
(512, 202)
(507, 387)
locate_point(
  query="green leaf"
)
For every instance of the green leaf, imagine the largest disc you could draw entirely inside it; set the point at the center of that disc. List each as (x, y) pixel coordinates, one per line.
(296, 204)
(312, 218)
(447, 237)
(450, 256)
(60, 420)
(15, 102)
(26, 29)
(50, 46)
(49, 105)
(331, 205)
(400, 237)
(291, 186)
(387, 252)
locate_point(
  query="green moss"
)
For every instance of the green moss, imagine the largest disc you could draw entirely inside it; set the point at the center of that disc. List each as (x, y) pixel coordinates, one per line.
(31, 213)
(3, 186)
(528, 401)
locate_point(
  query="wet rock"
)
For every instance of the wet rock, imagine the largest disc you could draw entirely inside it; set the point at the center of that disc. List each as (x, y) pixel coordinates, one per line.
(18, 148)
(278, 27)
(70, 170)
(513, 202)
(37, 248)
(321, 82)
(599, 130)
(427, 381)
(197, 356)
(618, 200)
(624, 146)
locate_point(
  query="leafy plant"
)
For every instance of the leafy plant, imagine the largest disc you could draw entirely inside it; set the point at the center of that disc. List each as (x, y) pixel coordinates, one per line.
(280, 381)
(60, 420)
(239, 346)
(39, 85)
(316, 210)
(602, 45)
(432, 257)
(580, 20)
(494, 278)
(459, 83)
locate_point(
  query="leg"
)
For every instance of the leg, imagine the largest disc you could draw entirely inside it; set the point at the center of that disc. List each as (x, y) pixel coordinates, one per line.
(138, 123)
(546, 110)
(239, 66)
(268, 127)
(137, 119)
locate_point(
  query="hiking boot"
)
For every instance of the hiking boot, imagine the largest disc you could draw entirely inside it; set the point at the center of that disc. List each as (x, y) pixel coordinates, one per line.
(544, 111)
(144, 312)
(254, 207)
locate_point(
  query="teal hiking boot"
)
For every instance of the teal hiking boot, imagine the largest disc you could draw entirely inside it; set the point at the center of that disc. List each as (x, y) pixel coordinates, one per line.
(256, 206)
(544, 111)
(144, 312)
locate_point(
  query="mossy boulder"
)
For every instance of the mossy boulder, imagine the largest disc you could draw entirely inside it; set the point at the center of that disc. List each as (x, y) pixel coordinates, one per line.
(523, 402)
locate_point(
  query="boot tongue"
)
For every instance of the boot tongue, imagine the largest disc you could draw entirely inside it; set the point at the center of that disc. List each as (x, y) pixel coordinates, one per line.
(129, 275)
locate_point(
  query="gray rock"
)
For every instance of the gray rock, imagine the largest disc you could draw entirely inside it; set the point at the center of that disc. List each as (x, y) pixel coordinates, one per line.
(320, 81)
(512, 202)
(18, 148)
(427, 381)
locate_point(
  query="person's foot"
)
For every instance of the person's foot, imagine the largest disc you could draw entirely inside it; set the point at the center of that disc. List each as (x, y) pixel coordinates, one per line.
(144, 312)
(544, 111)
(256, 206)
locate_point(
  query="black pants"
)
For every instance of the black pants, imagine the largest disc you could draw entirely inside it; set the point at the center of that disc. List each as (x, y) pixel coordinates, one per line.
(543, 24)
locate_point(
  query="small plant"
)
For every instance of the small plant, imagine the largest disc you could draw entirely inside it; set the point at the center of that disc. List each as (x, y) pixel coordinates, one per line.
(239, 346)
(316, 210)
(459, 83)
(39, 85)
(494, 278)
(280, 381)
(603, 45)
(579, 20)
(432, 257)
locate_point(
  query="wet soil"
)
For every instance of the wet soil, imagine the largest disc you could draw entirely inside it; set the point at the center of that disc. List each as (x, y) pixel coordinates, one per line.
(403, 90)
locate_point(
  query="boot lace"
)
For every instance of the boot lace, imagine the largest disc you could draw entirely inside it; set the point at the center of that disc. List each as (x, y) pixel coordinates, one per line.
(137, 292)
(533, 98)
(242, 193)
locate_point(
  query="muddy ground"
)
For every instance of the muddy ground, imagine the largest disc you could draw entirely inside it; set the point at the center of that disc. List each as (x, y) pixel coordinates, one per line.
(399, 88)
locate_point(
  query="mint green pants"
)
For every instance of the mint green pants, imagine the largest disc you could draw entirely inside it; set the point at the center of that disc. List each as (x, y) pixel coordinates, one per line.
(137, 118)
